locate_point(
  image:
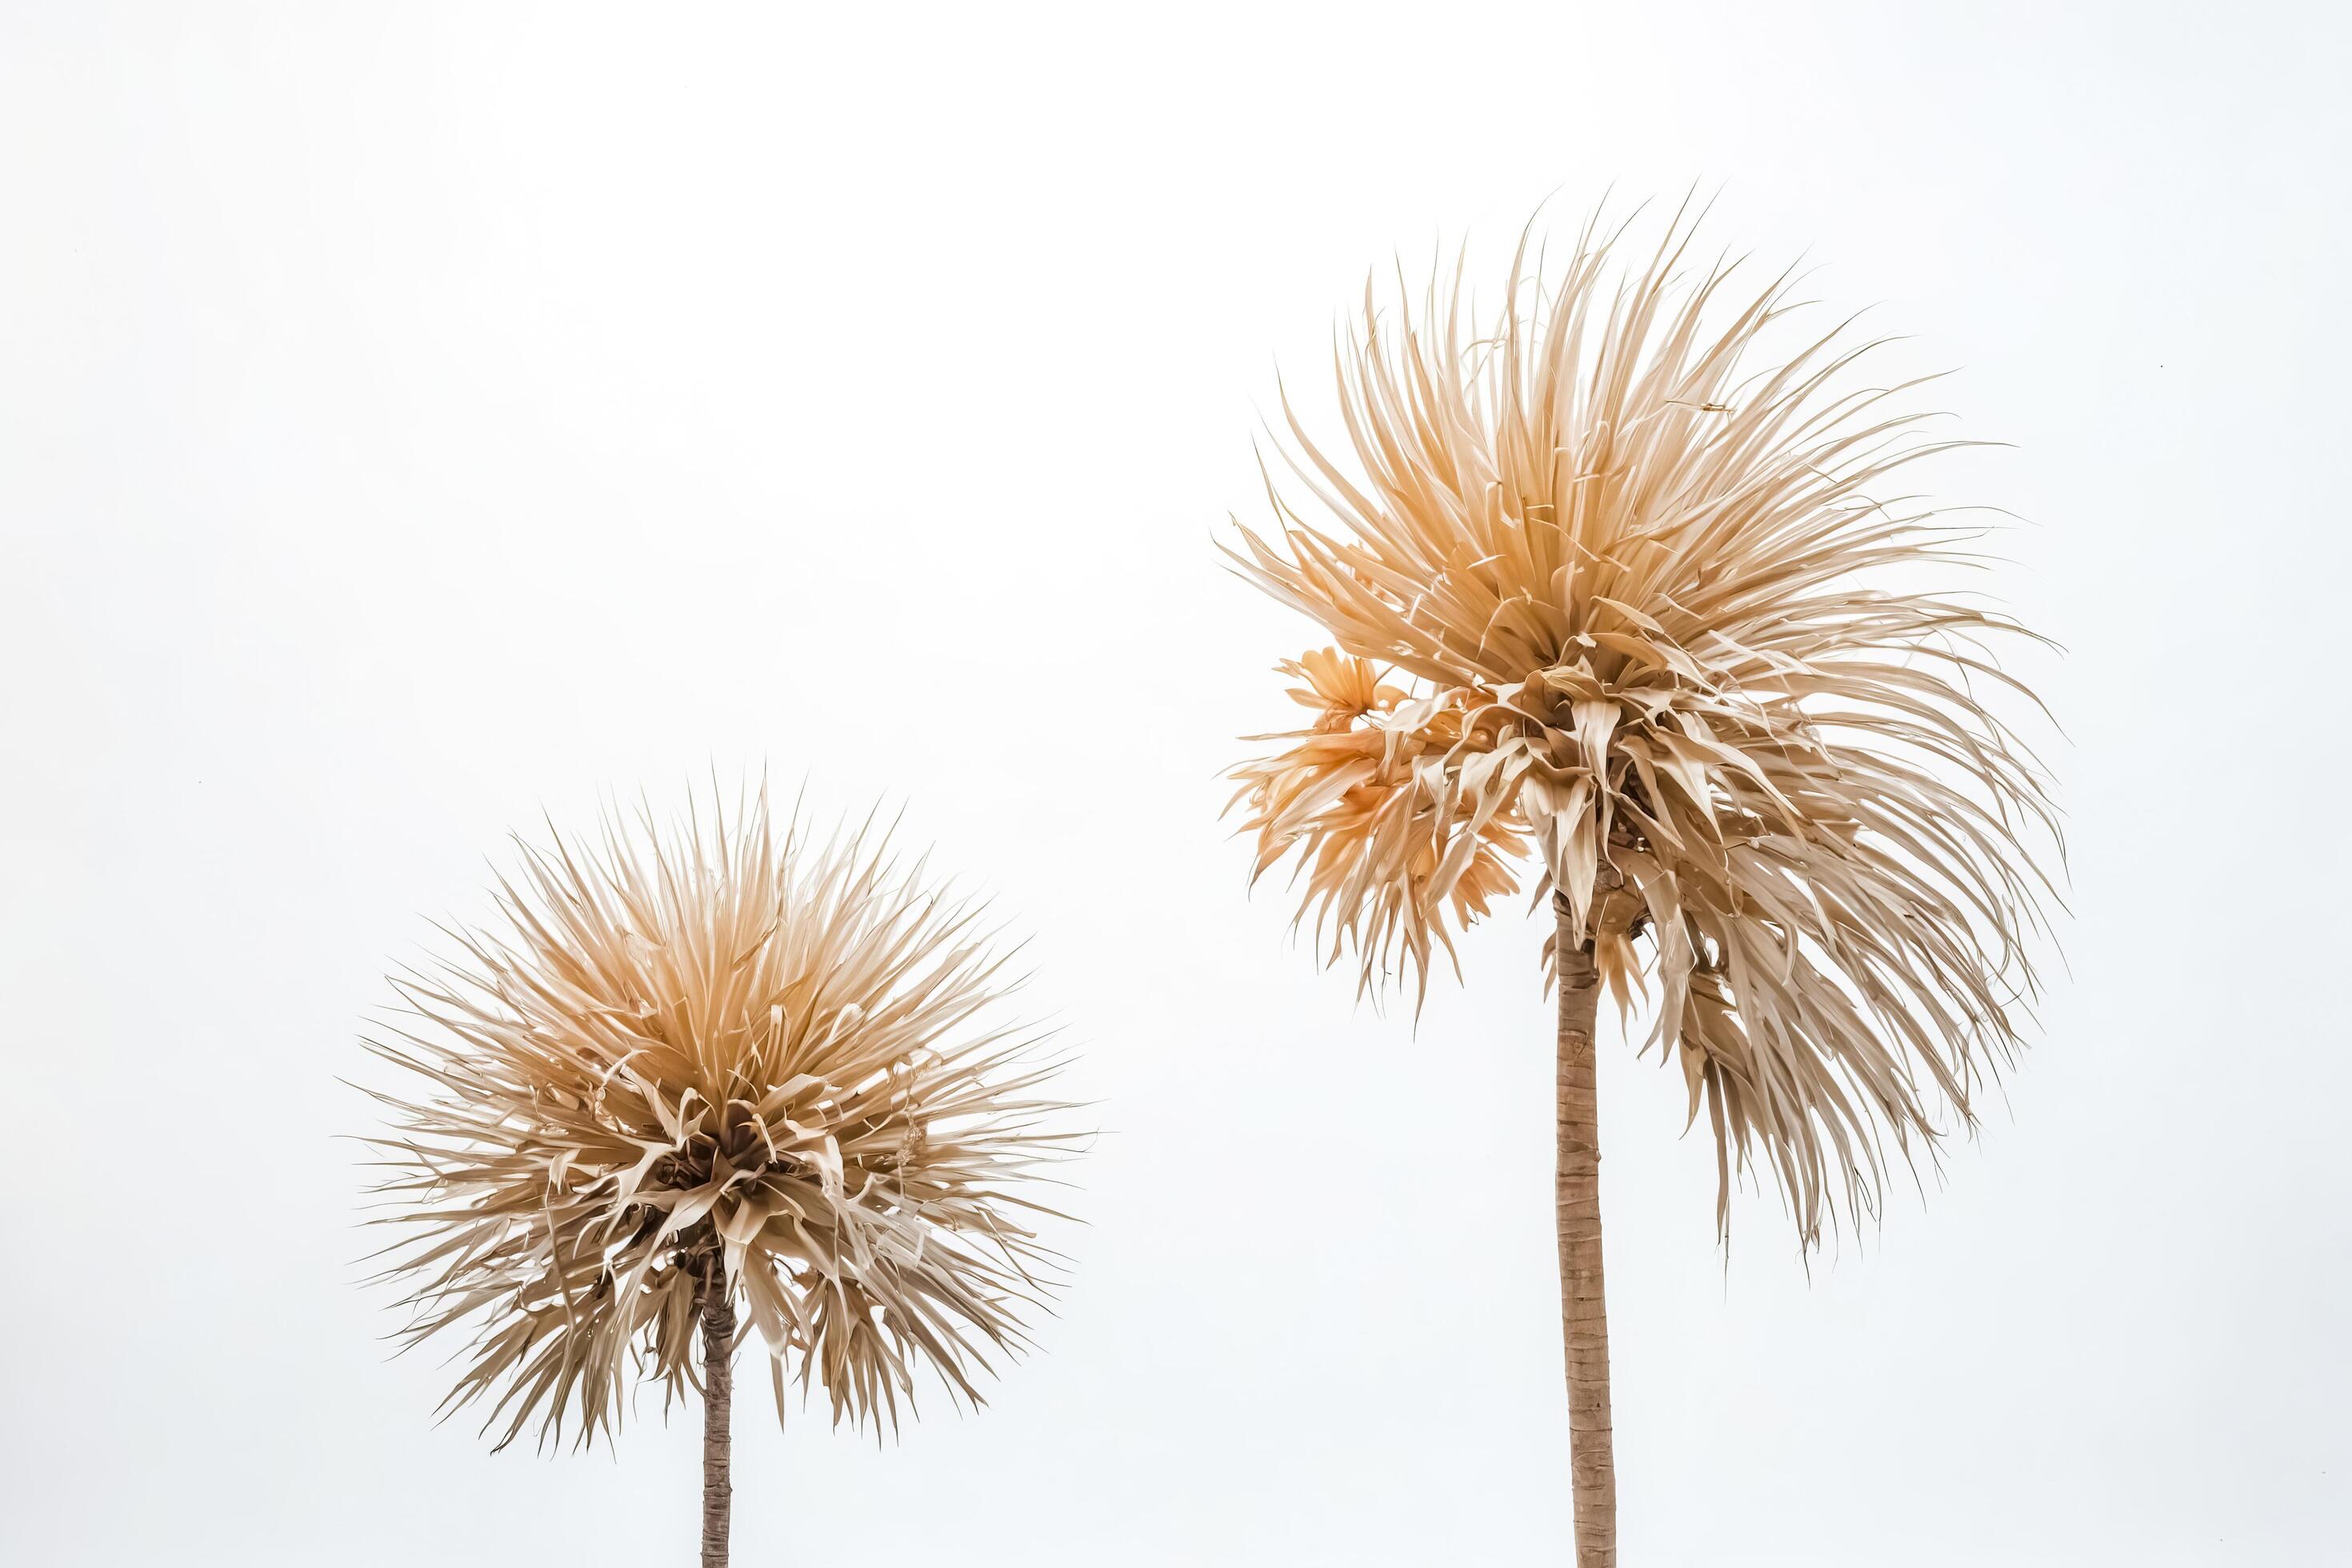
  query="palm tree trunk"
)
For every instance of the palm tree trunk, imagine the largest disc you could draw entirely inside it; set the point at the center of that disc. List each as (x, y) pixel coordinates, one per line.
(717, 1408)
(1584, 1306)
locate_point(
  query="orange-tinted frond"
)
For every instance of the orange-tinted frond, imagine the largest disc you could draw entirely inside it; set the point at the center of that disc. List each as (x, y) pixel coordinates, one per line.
(1641, 603)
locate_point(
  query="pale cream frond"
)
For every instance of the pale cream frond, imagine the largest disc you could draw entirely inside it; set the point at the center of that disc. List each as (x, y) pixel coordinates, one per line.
(728, 1045)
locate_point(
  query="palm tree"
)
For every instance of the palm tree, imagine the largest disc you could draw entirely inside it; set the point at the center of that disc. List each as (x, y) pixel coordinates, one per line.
(718, 1070)
(1610, 583)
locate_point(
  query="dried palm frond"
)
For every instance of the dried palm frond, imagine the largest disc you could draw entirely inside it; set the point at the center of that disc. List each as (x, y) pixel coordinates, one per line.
(1612, 581)
(728, 1051)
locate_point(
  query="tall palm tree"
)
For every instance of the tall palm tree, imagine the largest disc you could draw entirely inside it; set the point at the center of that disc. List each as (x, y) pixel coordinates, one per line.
(719, 1071)
(1615, 583)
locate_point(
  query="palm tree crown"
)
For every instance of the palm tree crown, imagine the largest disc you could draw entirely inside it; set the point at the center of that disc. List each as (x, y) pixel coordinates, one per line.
(1610, 582)
(726, 1063)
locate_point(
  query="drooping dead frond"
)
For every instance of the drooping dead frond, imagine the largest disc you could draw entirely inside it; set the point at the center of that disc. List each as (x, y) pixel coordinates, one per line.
(725, 1049)
(1614, 581)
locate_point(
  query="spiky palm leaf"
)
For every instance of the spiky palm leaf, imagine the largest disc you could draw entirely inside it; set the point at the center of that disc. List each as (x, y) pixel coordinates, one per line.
(1613, 581)
(733, 1048)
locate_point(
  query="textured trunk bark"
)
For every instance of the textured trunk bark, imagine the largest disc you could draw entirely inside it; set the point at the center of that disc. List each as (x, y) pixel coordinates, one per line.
(1584, 1307)
(717, 1409)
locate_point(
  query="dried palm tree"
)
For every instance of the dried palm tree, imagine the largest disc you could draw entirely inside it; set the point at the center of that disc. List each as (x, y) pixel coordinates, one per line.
(726, 1068)
(1614, 583)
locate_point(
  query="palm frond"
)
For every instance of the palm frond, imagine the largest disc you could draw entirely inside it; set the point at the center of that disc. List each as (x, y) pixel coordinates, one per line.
(1614, 583)
(726, 1046)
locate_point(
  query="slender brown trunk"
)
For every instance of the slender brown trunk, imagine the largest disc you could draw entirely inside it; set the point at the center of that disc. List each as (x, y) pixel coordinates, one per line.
(717, 1408)
(1584, 1306)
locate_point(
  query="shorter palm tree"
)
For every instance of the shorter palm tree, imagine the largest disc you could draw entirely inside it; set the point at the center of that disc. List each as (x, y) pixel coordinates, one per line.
(724, 1070)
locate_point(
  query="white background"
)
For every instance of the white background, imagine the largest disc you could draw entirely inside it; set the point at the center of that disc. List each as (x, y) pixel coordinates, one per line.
(412, 416)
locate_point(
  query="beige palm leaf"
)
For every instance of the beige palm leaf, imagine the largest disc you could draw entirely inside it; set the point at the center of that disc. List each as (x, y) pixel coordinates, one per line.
(1615, 581)
(729, 1066)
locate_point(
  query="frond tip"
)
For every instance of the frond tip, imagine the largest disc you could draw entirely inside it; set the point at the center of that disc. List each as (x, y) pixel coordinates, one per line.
(1615, 583)
(725, 1047)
